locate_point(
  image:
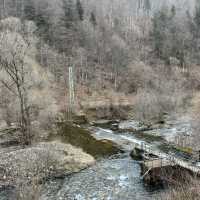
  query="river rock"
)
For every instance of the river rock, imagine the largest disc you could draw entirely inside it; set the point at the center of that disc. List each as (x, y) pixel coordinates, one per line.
(137, 154)
(41, 161)
(108, 124)
(132, 125)
(80, 119)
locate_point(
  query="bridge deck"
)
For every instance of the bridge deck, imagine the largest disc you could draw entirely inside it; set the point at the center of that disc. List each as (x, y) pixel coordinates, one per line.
(157, 163)
(165, 159)
(129, 143)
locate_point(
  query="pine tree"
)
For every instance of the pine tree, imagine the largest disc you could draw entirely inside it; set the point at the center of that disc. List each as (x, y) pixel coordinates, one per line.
(194, 25)
(80, 10)
(159, 31)
(42, 20)
(173, 11)
(93, 19)
(147, 6)
(67, 27)
(29, 11)
(165, 35)
(3, 9)
(69, 16)
(19, 8)
(197, 20)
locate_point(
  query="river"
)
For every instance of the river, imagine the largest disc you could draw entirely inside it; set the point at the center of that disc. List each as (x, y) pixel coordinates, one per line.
(115, 176)
(109, 179)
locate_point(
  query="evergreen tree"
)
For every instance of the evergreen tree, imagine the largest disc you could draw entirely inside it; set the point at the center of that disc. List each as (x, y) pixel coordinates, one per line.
(173, 11)
(42, 20)
(194, 26)
(197, 20)
(29, 10)
(80, 10)
(166, 39)
(69, 14)
(160, 21)
(147, 6)
(93, 19)
(67, 27)
(139, 4)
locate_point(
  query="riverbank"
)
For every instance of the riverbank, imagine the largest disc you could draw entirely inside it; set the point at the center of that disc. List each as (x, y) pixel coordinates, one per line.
(31, 166)
(110, 142)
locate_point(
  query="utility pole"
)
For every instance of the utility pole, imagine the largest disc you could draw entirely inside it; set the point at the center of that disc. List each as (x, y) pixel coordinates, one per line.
(71, 93)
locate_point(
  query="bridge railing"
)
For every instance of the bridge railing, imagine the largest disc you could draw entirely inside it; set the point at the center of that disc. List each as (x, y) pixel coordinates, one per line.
(171, 158)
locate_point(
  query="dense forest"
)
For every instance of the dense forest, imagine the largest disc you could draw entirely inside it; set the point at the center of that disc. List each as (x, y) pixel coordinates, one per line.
(64, 58)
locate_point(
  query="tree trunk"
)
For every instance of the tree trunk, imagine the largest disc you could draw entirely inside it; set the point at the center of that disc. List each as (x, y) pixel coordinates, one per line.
(25, 118)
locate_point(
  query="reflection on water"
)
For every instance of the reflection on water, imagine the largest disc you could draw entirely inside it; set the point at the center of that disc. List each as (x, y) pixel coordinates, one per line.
(82, 138)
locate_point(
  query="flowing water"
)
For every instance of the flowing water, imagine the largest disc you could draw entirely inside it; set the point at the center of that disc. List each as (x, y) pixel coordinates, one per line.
(112, 178)
(109, 179)
(115, 176)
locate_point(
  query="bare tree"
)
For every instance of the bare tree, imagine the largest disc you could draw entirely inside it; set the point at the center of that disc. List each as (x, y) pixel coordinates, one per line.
(12, 62)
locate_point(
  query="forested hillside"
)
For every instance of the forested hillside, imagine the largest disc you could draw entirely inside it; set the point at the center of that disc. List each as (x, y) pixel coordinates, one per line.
(113, 59)
(117, 48)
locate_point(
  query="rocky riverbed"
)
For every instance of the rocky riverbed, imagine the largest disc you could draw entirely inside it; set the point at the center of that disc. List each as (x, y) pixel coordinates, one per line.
(109, 179)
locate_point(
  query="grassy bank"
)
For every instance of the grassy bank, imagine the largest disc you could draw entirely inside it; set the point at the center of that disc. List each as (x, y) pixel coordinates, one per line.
(82, 138)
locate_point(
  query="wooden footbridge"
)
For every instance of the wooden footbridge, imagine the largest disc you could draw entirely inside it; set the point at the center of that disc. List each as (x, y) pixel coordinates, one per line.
(153, 158)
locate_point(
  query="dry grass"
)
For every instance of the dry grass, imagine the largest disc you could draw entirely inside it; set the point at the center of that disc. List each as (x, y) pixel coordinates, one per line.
(186, 192)
(183, 185)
